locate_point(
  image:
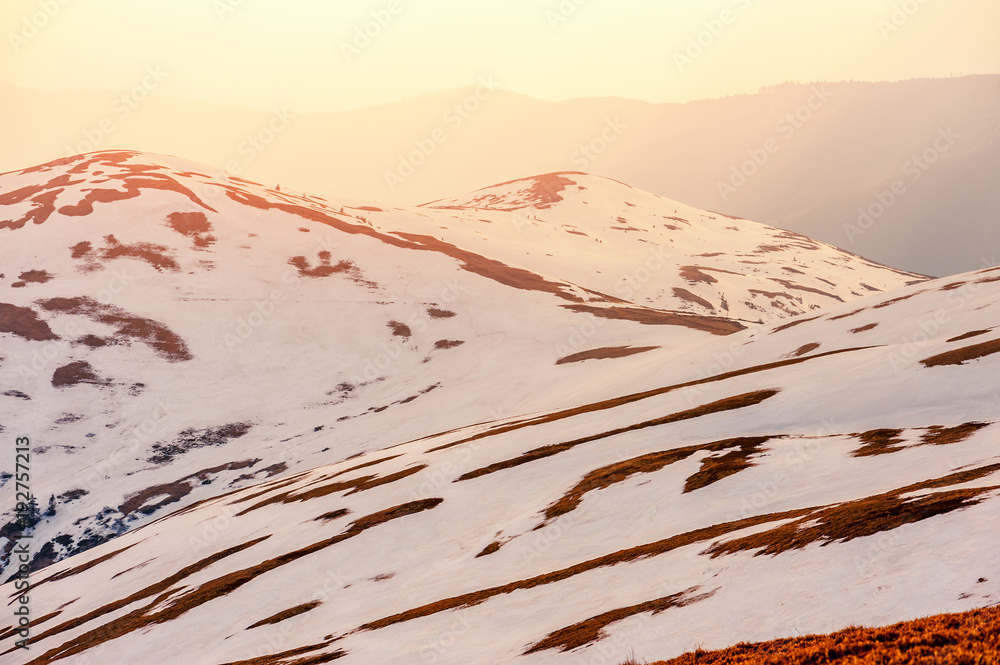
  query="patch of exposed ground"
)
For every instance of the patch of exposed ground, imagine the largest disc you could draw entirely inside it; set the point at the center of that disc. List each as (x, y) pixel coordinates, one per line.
(657, 317)
(167, 493)
(604, 352)
(157, 336)
(864, 517)
(448, 343)
(687, 296)
(400, 329)
(32, 277)
(194, 225)
(944, 639)
(728, 404)
(286, 614)
(618, 472)
(170, 604)
(24, 322)
(803, 350)
(635, 397)
(592, 630)
(878, 442)
(191, 439)
(864, 328)
(969, 335)
(360, 484)
(963, 355)
(76, 373)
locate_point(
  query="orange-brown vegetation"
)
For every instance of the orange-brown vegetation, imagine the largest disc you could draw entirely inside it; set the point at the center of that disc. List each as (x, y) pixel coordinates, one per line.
(436, 313)
(687, 296)
(963, 355)
(798, 287)
(156, 335)
(24, 323)
(448, 343)
(968, 638)
(400, 329)
(937, 435)
(622, 556)
(695, 274)
(604, 352)
(194, 225)
(878, 442)
(490, 549)
(175, 491)
(658, 317)
(591, 630)
(864, 328)
(804, 349)
(286, 614)
(635, 397)
(359, 484)
(169, 604)
(864, 517)
(618, 472)
(792, 324)
(893, 301)
(726, 404)
(974, 333)
(715, 468)
(76, 373)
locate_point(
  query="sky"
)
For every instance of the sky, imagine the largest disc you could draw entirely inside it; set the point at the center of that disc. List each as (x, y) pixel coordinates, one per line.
(324, 55)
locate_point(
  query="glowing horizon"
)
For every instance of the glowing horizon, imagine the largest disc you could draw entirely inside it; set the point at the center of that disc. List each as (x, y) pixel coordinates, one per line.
(313, 57)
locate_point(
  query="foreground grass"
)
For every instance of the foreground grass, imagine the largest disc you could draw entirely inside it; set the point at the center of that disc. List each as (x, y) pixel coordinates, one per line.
(969, 638)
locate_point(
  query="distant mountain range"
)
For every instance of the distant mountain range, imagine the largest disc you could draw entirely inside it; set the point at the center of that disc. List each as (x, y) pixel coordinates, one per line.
(904, 173)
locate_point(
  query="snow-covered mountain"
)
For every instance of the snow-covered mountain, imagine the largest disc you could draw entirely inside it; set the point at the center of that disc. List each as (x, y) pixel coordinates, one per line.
(387, 439)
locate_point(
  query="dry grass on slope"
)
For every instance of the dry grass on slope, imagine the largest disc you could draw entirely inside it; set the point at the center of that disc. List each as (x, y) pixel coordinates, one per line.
(969, 638)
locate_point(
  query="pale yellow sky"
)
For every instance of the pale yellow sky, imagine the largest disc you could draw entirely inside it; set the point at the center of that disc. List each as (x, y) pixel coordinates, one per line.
(308, 55)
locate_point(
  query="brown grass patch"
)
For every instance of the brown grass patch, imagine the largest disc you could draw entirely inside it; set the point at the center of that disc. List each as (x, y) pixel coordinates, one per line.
(893, 301)
(963, 355)
(286, 614)
(938, 436)
(282, 658)
(604, 352)
(804, 349)
(792, 286)
(694, 275)
(76, 373)
(69, 572)
(157, 336)
(968, 335)
(656, 317)
(863, 517)
(194, 225)
(864, 328)
(719, 406)
(172, 605)
(968, 638)
(592, 630)
(878, 442)
(490, 549)
(849, 314)
(687, 296)
(400, 329)
(81, 249)
(792, 324)
(436, 313)
(448, 343)
(635, 397)
(35, 276)
(24, 323)
(618, 472)
(325, 267)
(354, 486)
(622, 556)
(155, 255)
(714, 469)
(138, 502)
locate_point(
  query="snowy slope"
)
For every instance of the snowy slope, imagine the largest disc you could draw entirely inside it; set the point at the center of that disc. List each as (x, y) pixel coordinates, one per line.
(354, 483)
(793, 492)
(613, 238)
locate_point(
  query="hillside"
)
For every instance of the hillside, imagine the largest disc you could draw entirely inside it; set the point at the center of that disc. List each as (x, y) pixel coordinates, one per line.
(536, 471)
